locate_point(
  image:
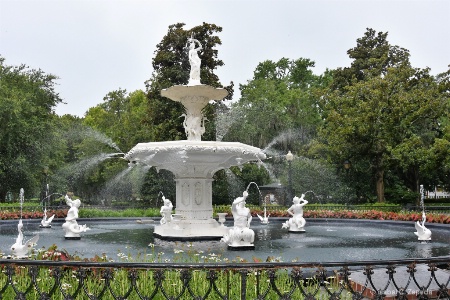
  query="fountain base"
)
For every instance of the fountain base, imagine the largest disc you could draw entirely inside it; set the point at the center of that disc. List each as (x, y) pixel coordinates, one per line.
(241, 248)
(46, 226)
(72, 237)
(190, 230)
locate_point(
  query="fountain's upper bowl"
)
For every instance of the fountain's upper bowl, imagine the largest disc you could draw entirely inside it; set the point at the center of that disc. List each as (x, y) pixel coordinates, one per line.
(194, 158)
(194, 97)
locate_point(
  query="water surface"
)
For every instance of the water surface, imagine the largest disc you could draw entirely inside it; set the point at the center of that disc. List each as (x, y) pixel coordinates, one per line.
(324, 241)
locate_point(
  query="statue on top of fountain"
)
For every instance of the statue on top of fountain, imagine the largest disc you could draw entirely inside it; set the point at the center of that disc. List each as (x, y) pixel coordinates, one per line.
(194, 61)
(297, 222)
(240, 236)
(71, 226)
(166, 211)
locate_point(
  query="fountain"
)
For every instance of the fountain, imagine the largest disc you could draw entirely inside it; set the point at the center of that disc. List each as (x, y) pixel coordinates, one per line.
(20, 249)
(71, 227)
(296, 224)
(46, 222)
(193, 161)
(423, 233)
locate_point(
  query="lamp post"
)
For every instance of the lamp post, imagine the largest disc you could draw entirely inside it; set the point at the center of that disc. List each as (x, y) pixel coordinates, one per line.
(347, 165)
(289, 158)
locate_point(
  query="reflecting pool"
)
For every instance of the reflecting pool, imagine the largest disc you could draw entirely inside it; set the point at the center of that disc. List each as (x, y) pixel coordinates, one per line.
(323, 241)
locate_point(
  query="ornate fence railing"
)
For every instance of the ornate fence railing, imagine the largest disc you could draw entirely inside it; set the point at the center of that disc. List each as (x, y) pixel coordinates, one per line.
(392, 279)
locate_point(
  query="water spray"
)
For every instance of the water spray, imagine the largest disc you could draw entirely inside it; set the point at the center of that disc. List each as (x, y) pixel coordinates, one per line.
(21, 199)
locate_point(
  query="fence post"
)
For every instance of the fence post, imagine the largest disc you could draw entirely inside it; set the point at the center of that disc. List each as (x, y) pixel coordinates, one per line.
(243, 284)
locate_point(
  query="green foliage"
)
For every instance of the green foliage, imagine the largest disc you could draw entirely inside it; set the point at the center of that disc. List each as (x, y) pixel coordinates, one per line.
(321, 179)
(27, 122)
(383, 112)
(157, 181)
(247, 174)
(278, 99)
(122, 117)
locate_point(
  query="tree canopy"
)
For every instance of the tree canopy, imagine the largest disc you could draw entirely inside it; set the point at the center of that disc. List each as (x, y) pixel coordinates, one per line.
(279, 99)
(27, 123)
(382, 112)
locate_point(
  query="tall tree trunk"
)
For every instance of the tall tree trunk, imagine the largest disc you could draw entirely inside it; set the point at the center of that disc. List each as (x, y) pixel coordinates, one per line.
(380, 184)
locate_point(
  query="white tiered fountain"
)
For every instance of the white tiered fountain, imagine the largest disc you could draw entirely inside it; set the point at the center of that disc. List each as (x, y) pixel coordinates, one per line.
(193, 161)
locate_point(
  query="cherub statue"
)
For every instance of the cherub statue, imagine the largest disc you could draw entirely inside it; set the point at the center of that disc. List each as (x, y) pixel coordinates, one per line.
(166, 211)
(297, 222)
(71, 226)
(240, 235)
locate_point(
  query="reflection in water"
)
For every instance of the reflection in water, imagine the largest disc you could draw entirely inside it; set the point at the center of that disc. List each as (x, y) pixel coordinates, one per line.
(424, 249)
(332, 241)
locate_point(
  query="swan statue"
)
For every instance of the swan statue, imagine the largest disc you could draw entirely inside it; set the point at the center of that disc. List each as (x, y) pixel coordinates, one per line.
(423, 233)
(45, 223)
(265, 219)
(19, 249)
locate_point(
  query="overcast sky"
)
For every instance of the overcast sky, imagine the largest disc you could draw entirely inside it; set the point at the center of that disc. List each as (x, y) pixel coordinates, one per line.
(96, 46)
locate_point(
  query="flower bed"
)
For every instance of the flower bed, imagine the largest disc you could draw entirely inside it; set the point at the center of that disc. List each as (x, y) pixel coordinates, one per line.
(332, 214)
(14, 214)
(370, 215)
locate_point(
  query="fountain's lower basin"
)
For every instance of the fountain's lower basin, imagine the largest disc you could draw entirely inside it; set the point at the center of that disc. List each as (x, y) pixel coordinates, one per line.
(323, 241)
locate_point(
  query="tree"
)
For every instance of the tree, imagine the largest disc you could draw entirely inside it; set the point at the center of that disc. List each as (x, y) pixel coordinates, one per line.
(171, 67)
(27, 100)
(278, 100)
(122, 117)
(380, 109)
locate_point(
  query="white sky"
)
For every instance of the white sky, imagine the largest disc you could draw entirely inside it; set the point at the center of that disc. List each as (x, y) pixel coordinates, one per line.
(97, 46)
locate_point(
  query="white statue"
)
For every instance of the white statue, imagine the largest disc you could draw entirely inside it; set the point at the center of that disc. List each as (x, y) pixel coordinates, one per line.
(297, 222)
(166, 211)
(423, 233)
(240, 236)
(71, 226)
(264, 219)
(194, 126)
(45, 223)
(195, 62)
(19, 249)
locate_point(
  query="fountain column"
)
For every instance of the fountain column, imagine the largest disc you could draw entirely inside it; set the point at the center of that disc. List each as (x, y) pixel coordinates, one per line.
(194, 198)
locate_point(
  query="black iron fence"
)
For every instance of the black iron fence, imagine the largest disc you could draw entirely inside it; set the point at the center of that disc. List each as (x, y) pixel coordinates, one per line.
(394, 279)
